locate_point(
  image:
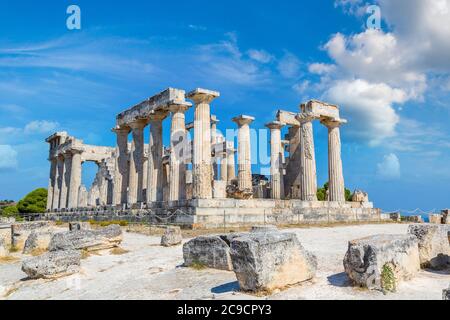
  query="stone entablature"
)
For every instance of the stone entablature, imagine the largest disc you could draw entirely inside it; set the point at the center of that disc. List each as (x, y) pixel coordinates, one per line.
(201, 165)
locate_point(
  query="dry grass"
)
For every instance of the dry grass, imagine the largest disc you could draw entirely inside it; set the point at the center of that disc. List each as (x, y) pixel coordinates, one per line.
(121, 223)
(198, 266)
(85, 254)
(38, 252)
(118, 251)
(8, 259)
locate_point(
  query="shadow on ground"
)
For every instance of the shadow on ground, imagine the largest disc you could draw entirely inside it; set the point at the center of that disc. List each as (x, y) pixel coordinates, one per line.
(339, 280)
(226, 288)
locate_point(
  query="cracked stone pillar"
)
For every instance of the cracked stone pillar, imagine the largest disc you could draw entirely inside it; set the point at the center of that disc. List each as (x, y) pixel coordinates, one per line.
(58, 182)
(336, 188)
(308, 173)
(201, 163)
(75, 179)
(244, 154)
(214, 141)
(51, 183)
(121, 170)
(276, 160)
(65, 181)
(178, 152)
(155, 156)
(136, 173)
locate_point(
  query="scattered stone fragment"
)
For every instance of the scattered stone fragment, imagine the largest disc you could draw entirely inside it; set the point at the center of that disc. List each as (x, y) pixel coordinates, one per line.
(207, 251)
(172, 237)
(21, 231)
(446, 294)
(435, 218)
(266, 261)
(37, 241)
(89, 240)
(52, 264)
(3, 249)
(434, 248)
(367, 259)
(264, 228)
(75, 226)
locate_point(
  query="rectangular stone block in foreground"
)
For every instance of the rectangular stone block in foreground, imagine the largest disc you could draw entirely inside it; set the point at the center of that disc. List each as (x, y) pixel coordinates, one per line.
(369, 258)
(265, 261)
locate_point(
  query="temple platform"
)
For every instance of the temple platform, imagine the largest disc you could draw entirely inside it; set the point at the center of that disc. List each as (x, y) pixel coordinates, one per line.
(219, 213)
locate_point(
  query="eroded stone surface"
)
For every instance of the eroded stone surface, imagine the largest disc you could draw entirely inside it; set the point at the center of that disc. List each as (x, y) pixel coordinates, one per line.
(75, 226)
(52, 264)
(267, 261)
(367, 257)
(208, 251)
(434, 248)
(37, 241)
(90, 240)
(21, 231)
(172, 237)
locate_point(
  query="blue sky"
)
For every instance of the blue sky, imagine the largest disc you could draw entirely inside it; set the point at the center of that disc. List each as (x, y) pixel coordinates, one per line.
(393, 84)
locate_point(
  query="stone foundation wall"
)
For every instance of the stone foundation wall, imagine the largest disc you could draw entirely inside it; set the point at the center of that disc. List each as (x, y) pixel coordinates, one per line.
(219, 213)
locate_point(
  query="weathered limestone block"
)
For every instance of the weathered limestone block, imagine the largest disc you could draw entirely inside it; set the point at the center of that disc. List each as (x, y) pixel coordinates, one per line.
(413, 219)
(219, 189)
(395, 216)
(75, 226)
(360, 196)
(446, 216)
(209, 251)
(435, 219)
(89, 240)
(434, 249)
(367, 258)
(172, 237)
(52, 264)
(5, 220)
(264, 228)
(269, 261)
(21, 231)
(3, 248)
(37, 241)
(446, 294)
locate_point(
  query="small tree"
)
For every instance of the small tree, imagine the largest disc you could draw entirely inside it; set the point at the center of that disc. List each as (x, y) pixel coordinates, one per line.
(11, 211)
(34, 202)
(322, 193)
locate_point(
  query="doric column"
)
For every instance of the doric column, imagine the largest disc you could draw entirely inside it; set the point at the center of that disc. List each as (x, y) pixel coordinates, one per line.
(231, 170)
(308, 174)
(51, 183)
(178, 149)
(58, 181)
(75, 179)
(276, 160)
(155, 156)
(244, 154)
(214, 141)
(135, 177)
(121, 170)
(336, 188)
(224, 167)
(65, 177)
(201, 164)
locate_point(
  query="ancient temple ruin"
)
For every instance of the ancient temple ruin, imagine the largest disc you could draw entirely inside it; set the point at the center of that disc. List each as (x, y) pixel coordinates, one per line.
(201, 179)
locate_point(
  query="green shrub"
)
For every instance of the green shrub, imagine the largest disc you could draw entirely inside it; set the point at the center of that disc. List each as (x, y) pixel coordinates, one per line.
(388, 279)
(322, 193)
(11, 211)
(34, 202)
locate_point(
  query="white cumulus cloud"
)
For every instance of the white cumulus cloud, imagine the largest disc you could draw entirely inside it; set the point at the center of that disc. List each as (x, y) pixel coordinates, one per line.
(260, 55)
(8, 157)
(41, 126)
(389, 168)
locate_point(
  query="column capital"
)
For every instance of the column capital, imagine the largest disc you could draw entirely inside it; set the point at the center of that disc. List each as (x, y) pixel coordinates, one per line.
(158, 116)
(179, 106)
(214, 119)
(138, 124)
(200, 95)
(121, 129)
(243, 120)
(333, 123)
(274, 125)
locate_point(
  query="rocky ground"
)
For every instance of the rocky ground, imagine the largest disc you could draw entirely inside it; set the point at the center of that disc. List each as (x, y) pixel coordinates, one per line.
(142, 269)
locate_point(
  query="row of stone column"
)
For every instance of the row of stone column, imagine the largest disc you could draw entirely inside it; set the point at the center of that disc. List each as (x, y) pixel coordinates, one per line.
(308, 174)
(65, 181)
